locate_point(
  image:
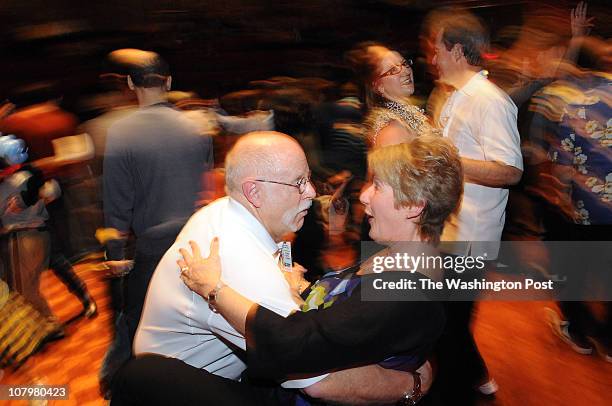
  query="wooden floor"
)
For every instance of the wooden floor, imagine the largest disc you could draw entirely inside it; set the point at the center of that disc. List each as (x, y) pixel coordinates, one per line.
(531, 365)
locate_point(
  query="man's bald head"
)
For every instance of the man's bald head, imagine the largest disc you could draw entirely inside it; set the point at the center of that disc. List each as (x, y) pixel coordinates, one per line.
(260, 154)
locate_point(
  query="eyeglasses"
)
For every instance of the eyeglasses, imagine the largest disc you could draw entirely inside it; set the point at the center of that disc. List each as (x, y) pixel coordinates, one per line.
(300, 185)
(397, 68)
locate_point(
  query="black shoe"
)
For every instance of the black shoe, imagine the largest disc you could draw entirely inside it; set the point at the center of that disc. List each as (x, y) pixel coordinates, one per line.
(57, 334)
(90, 308)
(560, 328)
(603, 348)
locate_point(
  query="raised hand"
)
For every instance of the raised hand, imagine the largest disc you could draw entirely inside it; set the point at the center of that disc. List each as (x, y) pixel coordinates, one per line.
(581, 24)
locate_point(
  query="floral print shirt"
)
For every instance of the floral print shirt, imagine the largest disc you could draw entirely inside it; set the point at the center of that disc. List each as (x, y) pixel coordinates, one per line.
(584, 142)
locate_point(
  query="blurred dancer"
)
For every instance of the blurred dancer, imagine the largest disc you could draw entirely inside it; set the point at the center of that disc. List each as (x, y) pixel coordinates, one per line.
(43, 126)
(579, 113)
(152, 177)
(543, 53)
(480, 119)
(22, 218)
(544, 43)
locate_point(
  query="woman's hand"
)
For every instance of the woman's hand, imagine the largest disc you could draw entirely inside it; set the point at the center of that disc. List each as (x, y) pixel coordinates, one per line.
(200, 274)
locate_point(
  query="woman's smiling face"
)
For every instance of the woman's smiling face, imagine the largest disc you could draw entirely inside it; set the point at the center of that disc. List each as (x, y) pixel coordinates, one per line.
(395, 78)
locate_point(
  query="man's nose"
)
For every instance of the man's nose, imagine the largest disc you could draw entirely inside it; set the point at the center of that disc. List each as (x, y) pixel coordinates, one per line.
(310, 192)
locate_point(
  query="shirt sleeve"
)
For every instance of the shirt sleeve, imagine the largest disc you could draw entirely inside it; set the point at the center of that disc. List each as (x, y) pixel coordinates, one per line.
(499, 134)
(348, 334)
(222, 328)
(118, 192)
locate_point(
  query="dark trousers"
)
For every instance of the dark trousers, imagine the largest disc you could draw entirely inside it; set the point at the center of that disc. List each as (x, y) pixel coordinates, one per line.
(134, 290)
(63, 269)
(155, 380)
(150, 248)
(461, 367)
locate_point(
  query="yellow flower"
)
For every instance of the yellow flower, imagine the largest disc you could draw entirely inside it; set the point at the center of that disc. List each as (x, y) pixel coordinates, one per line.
(567, 144)
(591, 126)
(580, 159)
(592, 181)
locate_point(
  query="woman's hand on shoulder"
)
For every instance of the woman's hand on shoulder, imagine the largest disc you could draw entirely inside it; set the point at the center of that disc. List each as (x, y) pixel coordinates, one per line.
(200, 274)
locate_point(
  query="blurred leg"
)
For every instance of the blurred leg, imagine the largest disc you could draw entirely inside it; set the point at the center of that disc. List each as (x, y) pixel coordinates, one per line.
(156, 380)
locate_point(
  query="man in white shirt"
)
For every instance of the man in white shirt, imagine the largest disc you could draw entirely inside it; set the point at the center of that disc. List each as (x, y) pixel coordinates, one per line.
(269, 189)
(480, 119)
(268, 183)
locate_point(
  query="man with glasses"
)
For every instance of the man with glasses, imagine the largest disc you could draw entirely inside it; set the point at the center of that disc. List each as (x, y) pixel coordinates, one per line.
(269, 194)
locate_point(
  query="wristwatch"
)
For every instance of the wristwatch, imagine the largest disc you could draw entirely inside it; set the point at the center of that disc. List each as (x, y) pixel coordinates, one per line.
(411, 397)
(212, 297)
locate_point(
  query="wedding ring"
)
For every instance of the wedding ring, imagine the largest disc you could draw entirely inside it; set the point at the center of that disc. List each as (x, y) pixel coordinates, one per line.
(184, 268)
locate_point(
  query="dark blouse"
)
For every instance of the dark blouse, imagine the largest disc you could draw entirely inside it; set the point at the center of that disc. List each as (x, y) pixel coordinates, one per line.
(350, 333)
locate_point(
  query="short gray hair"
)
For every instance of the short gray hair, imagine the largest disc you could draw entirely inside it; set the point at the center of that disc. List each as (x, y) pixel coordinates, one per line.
(254, 155)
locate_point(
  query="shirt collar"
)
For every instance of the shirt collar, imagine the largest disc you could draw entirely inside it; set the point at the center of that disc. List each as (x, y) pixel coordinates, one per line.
(253, 225)
(474, 84)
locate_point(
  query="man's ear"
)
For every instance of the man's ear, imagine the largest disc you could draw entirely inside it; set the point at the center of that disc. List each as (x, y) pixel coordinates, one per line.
(457, 52)
(130, 83)
(250, 190)
(168, 83)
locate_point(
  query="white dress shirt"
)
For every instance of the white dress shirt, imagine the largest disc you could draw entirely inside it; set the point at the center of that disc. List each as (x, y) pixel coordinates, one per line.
(480, 119)
(178, 323)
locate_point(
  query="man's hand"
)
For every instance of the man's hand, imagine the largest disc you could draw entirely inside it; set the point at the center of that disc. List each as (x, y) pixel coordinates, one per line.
(121, 267)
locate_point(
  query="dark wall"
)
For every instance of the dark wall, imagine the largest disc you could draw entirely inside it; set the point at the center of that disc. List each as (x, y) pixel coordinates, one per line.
(213, 46)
